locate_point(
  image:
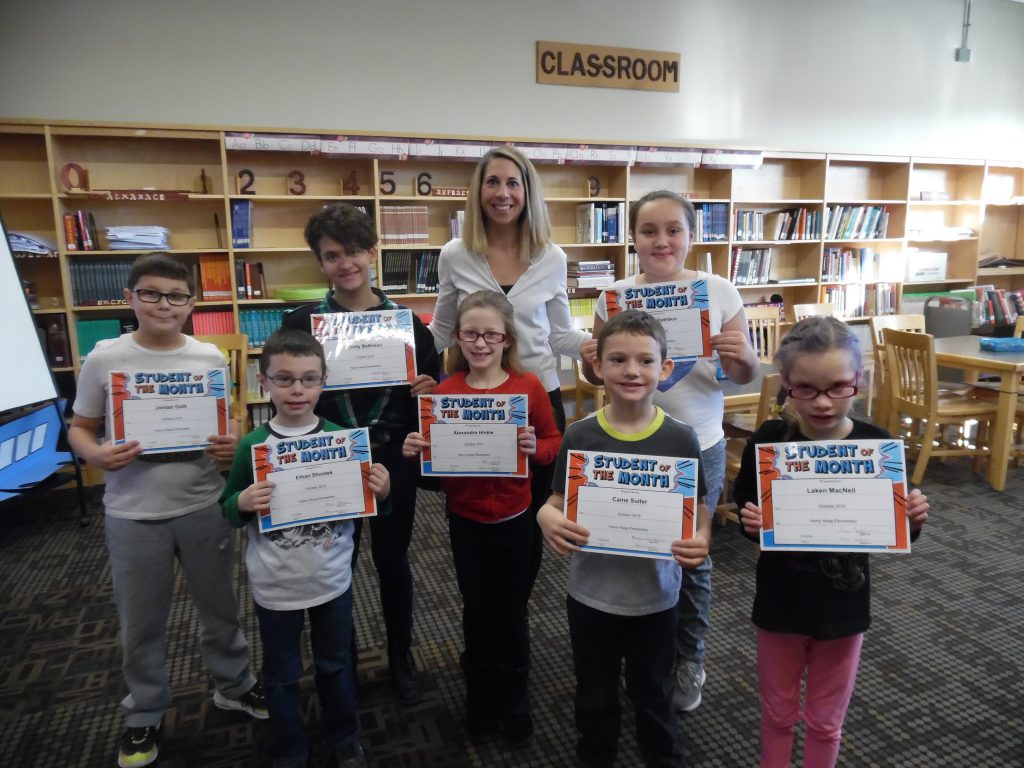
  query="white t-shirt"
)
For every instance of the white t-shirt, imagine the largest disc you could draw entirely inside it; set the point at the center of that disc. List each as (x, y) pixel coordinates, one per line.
(143, 490)
(696, 398)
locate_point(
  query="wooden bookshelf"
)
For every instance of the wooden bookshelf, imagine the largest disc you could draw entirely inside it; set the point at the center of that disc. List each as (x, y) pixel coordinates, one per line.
(288, 176)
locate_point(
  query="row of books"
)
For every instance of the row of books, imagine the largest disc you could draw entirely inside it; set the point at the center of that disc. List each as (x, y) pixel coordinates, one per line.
(712, 222)
(456, 222)
(99, 283)
(600, 222)
(590, 274)
(250, 282)
(261, 413)
(582, 311)
(213, 323)
(405, 271)
(258, 324)
(80, 232)
(849, 265)
(856, 222)
(214, 277)
(789, 224)
(91, 332)
(25, 245)
(404, 225)
(858, 300)
(139, 237)
(998, 306)
(254, 391)
(750, 266)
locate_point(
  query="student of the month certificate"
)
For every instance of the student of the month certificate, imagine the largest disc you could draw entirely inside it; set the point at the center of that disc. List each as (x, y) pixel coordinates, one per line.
(317, 478)
(168, 411)
(473, 435)
(833, 496)
(367, 349)
(682, 308)
(631, 505)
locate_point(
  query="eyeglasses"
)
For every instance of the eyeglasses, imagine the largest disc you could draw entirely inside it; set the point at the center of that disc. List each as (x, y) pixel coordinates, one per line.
(149, 296)
(308, 382)
(491, 337)
(835, 392)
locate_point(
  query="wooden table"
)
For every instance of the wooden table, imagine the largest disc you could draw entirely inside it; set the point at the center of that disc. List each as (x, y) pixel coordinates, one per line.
(965, 353)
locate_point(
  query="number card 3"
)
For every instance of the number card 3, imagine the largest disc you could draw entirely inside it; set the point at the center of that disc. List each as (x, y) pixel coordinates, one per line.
(631, 505)
(833, 496)
(473, 435)
(168, 411)
(317, 478)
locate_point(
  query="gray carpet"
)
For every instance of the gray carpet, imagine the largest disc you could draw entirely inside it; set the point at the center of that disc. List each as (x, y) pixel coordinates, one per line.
(940, 682)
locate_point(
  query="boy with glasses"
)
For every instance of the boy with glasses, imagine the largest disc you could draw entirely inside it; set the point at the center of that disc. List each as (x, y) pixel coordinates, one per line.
(298, 570)
(160, 508)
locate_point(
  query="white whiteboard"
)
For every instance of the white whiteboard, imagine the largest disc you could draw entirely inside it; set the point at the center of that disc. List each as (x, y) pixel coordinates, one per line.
(28, 379)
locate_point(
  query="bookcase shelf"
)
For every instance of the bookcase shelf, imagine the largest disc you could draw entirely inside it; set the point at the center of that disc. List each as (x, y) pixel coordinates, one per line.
(289, 176)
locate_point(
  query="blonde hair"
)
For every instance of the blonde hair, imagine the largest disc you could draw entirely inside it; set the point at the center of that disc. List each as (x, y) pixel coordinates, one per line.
(534, 225)
(500, 304)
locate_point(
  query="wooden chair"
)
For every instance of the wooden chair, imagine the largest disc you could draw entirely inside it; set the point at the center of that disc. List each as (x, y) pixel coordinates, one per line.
(765, 331)
(988, 391)
(583, 390)
(914, 393)
(912, 323)
(770, 386)
(801, 311)
(235, 347)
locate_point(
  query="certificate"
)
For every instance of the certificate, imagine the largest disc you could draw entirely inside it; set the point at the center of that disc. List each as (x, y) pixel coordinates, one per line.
(632, 505)
(473, 435)
(317, 478)
(168, 411)
(367, 349)
(681, 307)
(833, 496)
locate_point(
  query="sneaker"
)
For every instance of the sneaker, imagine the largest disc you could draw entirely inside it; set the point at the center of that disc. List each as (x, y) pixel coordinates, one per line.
(690, 679)
(137, 747)
(350, 756)
(405, 679)
(253, 702)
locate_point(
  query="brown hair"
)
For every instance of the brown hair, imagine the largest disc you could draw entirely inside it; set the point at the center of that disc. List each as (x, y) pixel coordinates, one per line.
(503, 307)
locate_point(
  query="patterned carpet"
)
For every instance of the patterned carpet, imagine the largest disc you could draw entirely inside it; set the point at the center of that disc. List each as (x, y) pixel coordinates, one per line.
(940, 681)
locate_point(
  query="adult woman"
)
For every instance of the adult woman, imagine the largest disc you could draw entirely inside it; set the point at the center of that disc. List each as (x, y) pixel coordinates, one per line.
(506, 246)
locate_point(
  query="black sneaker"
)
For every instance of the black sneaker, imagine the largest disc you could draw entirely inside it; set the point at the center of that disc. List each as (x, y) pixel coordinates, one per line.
(137, 747)
(351, 756)
(253, 702)
(405, 679)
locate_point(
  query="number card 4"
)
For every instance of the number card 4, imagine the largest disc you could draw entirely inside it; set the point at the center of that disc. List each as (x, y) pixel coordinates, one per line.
(631, 505)
(833, 496)
(473, 435)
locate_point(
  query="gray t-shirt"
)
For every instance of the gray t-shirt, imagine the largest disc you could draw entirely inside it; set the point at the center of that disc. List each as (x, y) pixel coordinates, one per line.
(143, 490)
(626, 586)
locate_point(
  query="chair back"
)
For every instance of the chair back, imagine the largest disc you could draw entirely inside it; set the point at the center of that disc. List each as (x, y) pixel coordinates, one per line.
(910, 322)
(235, 347)
(801, 311)
(770, 386)
(765, 327)
(913, 376)
(1018, 327)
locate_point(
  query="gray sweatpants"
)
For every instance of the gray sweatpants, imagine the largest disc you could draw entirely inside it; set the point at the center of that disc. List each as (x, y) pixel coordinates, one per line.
(142, 555)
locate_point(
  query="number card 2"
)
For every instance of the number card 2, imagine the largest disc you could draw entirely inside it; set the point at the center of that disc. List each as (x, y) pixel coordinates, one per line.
(317, 478)
(631, 505)
(168, 411)
(473, 435)
(367, 349)
(833, 496)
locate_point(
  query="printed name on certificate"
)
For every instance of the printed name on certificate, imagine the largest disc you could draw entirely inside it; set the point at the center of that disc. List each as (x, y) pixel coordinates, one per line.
(631, 505)
(473, 435)
(367, 349)
(833, 496)
(317, 478)
(168, 411)
(682, 307)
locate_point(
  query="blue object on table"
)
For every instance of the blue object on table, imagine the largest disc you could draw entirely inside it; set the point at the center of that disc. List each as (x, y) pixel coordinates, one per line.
(1002, 344)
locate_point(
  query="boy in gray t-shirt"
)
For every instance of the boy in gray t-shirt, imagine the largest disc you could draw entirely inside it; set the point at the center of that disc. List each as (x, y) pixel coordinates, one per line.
(624, 608)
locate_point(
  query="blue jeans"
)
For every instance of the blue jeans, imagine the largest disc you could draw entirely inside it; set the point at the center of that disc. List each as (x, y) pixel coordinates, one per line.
(330, 635)
(695, 593)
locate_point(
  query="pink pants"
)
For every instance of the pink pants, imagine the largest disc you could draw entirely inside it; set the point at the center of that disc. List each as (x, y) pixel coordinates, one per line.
(831, 667)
